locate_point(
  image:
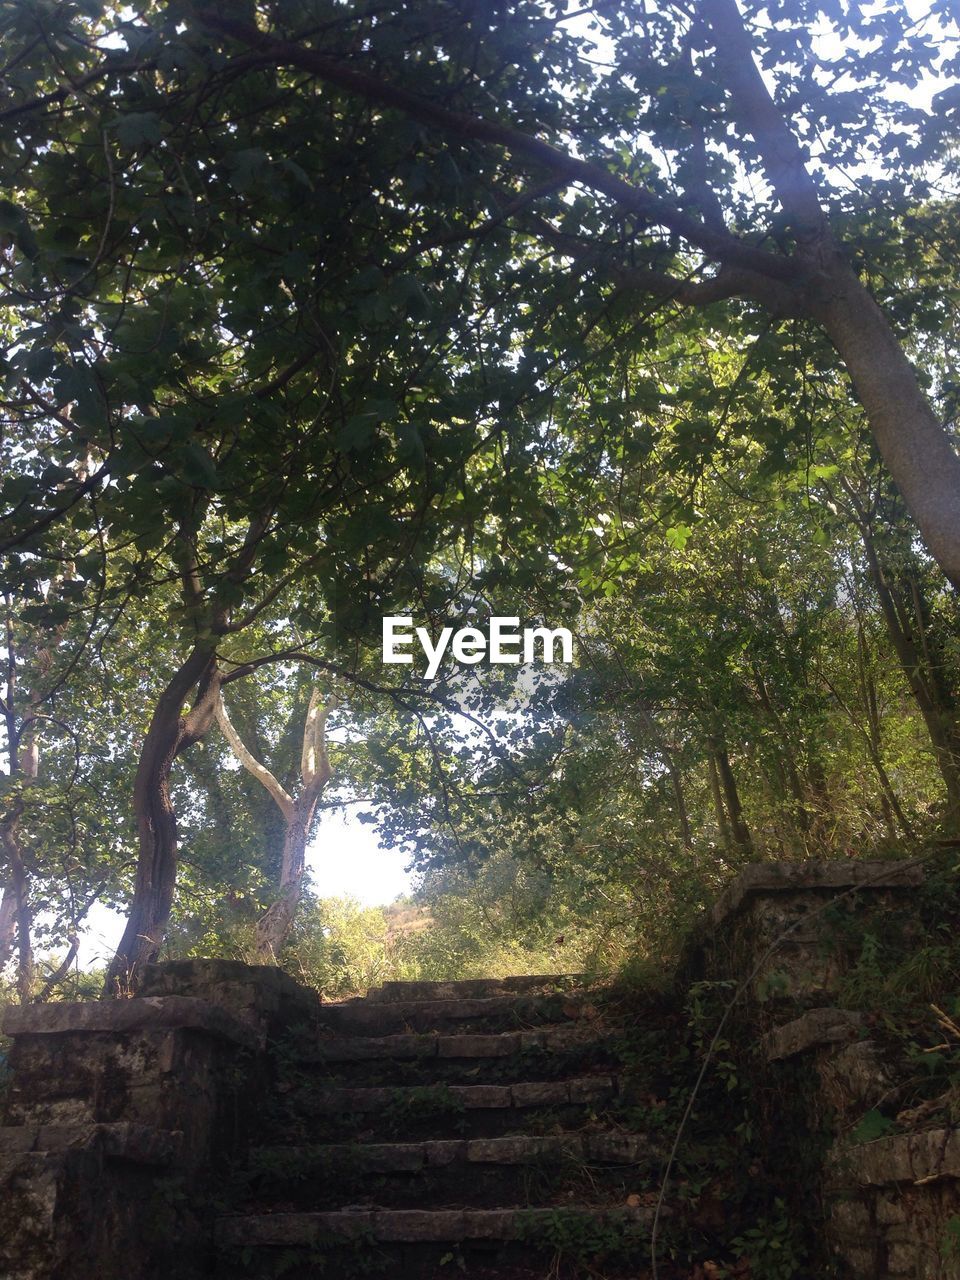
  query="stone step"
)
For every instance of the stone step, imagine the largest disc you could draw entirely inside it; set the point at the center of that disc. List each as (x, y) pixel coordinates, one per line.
(417, 1047)
(483, 1173)
(474, 988)
(413, 1157)
(495, 1013)
(532, 1093)
(317, 1230)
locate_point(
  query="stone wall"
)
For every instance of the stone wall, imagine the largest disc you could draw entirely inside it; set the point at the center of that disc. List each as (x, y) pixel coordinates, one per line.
(120, 1112)
(789, 933)
(786, 927)
(888, 1203)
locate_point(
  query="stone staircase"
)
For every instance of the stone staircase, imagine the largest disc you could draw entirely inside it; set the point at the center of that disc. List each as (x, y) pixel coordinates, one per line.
(432, 1129)
(225, 1122)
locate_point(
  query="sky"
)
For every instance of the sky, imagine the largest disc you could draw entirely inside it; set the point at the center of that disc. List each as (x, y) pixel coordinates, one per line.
(345, 860)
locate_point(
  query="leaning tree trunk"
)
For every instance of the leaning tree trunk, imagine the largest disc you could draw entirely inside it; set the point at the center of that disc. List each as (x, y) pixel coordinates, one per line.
(912, 442)
(169, 734)
(274, 925)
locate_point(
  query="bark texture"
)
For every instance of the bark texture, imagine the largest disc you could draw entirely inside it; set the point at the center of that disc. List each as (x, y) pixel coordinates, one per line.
(170, 733)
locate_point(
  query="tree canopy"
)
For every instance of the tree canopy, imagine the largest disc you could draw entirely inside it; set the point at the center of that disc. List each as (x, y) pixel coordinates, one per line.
(319, 311)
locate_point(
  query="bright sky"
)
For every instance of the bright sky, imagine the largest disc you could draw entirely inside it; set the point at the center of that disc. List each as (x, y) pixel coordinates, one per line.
(344, 860)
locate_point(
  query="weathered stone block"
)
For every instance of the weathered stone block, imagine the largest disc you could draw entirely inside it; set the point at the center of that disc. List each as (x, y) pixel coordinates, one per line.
(480, 1096)
(890, 1210)
(511, 1150)
(373, 1048)
(114, 1017)
(813, 1030)
(621, 1148)
(903, 1157)
(498, 1046)
(592, 1089)
(540, 1093)
(412, 1225)
(491, 1224)
(852, 1220)
(262, 996)
(15, 1139)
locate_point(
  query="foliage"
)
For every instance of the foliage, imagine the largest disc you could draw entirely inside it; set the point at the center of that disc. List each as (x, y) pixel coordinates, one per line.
(282, 355)
(771, 1247)
(951, 1242)
(582, 1239)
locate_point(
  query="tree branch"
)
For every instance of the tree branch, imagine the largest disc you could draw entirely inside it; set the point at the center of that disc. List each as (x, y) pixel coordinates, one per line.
(316, 770)
(780, 299)
(757, 112)
(252, 765)
(716, 244)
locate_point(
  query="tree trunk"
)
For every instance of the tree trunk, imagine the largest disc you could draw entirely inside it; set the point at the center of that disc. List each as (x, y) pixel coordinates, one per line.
(24, 764)
(676, 778)
(721, 814)
(940, 719)
(738, 825)
(23, 914)
(912, 442)
(8, 923)
(274, 925)
(169, 734)
(916, 449)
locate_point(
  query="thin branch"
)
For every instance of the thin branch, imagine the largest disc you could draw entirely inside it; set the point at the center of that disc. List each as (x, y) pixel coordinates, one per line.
(252, 765)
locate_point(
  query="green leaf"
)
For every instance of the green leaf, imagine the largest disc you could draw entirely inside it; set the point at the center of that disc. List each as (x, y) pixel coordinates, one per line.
(677, 536)
(873, 1125)
(138, 128)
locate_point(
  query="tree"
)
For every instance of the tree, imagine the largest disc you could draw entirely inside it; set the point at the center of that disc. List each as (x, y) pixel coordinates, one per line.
(291, 330)
(298, 813)
(692, 86)
(72, 703)
(281, 448)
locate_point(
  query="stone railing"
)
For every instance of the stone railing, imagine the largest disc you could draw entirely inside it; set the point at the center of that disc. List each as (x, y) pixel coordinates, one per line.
(779, 925)
(890, 1206)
